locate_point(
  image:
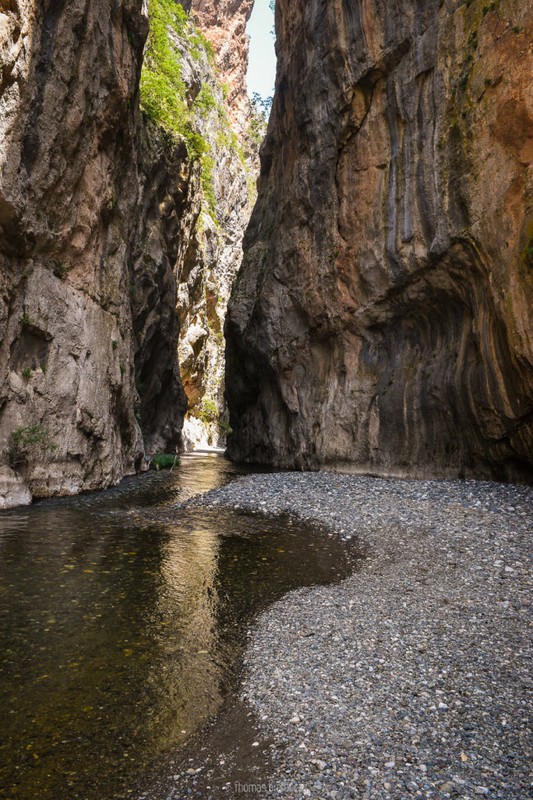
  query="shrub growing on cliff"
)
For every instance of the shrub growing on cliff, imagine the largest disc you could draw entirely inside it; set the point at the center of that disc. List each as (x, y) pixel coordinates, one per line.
(163, 90)
(224, 427)
(28, 443)
(208, 411)
(60, 269)
(162, 87)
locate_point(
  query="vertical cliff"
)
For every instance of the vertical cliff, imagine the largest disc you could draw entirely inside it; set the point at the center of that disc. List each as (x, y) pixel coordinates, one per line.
(224, 24)
(206, 62)
(120, 236)
(383, 315)
(169, 202)
(68, 92)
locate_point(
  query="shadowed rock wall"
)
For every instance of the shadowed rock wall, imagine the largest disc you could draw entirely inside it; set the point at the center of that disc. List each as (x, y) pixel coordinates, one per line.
(94, 205)
(68, 193)
(382, 317)
(169, 191)
(116, 245)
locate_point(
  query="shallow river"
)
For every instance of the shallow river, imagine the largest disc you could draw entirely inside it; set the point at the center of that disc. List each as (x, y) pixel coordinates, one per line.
(122, 619)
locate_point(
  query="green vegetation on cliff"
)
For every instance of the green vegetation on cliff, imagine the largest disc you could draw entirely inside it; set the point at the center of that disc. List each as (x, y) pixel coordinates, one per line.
(28, 443)
(164, 94)
(178, 108)
(163, 90)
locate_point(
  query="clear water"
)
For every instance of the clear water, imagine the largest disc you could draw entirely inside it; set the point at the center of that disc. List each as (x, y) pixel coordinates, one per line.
(121, 624)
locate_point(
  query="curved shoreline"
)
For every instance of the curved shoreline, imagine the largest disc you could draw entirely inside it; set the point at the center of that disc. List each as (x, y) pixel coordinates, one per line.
(410, 678)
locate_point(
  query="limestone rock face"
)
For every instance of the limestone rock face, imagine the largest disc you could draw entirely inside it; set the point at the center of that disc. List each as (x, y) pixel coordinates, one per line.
(211, 242)
(13, 489)
(223, 22)
(383, 315)
(169, 191)
(69, 81)
(118, 242)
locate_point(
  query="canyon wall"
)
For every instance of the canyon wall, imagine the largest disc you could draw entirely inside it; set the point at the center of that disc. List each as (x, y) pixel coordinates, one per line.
(382, 319)
(213, 56)
(69, 82)
(224, 24)
(120, 236)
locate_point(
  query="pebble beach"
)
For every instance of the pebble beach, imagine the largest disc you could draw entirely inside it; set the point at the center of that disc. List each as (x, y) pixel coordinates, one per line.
(412, 677)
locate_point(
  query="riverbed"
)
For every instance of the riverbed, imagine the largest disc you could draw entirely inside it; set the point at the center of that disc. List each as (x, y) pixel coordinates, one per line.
(411, 678)
(123, 619)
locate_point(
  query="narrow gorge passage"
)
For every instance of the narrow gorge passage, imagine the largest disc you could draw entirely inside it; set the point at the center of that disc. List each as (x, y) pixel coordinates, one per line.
(381, 317)
(340, 295)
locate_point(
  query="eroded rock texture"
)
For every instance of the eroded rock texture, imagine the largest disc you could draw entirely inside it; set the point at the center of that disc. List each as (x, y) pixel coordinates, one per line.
(117, 248)
(169, 191)
(382, 317)
(68, 191)
(211, 251)
(224, 24)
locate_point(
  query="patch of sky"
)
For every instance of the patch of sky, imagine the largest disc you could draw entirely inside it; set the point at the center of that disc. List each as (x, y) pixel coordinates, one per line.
(262, 59)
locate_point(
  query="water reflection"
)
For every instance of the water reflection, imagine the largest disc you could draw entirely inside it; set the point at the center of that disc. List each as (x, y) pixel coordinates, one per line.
(120, 622)
(189, 671)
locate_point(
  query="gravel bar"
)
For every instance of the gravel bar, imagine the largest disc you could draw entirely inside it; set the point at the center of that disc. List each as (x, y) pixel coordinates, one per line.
(412, 677)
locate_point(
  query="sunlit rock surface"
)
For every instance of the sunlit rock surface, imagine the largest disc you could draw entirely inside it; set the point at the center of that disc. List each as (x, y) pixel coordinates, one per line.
(224, 23)
(212, 253)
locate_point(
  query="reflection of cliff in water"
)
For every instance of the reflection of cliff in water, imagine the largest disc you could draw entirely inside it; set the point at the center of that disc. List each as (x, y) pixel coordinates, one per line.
(189, 670)
(121, 624)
